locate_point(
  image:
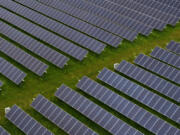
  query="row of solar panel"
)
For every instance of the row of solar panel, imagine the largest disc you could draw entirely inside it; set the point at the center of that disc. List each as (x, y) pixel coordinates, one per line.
(140, 94)
(122, 11)
(73, 22)
(25, 122)
(123, 106)
(172, 3)
(34, 16)
(129, 23)
(100, 116)
(149, 11)
(42, 34)
(159, 6)
(65, 121)
(54, 26)
(125, 33)
(132, 6)
(97, 114)
(22, 57)
(11, 72)
(152, 81)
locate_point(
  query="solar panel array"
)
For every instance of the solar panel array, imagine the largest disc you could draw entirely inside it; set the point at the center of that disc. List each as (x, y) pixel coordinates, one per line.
(75, 23)
(166, 56)
(11, 72)
(158, 67)
(62, 119)
(160, 6)
(22, 57)
(54, 26)
(123, 31)
(25, 122)
(119, 19)
(3, 131)
(33, 45)
(46, 36)
(172, 3)
(141, 94)
(147, 10)
(174, 47)
(150, 80)
(97, 21)
(127, 12)
(125, 107)
(94, 112)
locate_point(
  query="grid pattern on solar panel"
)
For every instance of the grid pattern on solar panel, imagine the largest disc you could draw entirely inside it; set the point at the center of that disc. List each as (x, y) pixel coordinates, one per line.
(90, 18)
(25, 122)
(130, 24)
(160, 6)
(150, 80)
(22, 57)
(141, 94)
(33, 45)
(94, 112)
(125, 107)
(3, 131)
(158, 67)
(172, 3)
(146, 10)
(11, 72)
(108, 8)
(123, 31)
(61, 29)
(80, 25)
(126, 12)
(174, 47)
(61, 118)
(125, 22)
(167, 57)
(46, 36)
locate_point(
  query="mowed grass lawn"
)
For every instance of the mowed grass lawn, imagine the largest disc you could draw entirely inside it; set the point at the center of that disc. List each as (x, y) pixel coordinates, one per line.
(47, 85)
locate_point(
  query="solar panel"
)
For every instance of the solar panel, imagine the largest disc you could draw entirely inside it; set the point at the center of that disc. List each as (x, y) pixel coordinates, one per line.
(56, 27)
(140, 94)
(34, 46)
(25, 122)
(11, 72)
(94, 112)
(123, 106)
(156, 83)
(44, 35)
(172, 3)
(156, 14)
(22, 57)
(3, 131)
(92, 19)
(166, 57)
(123, 31)
(59, 117)
(174, 47)
(159, 6)
(158, 67)
(125, 12)
(131, 24)
(80, 25)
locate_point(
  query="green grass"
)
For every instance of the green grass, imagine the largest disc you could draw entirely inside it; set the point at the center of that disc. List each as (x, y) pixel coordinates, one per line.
(22, 95)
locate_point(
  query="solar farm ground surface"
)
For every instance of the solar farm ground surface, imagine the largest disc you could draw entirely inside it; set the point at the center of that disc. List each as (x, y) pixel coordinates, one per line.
(46, 85)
